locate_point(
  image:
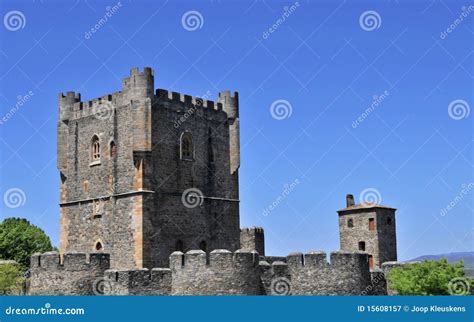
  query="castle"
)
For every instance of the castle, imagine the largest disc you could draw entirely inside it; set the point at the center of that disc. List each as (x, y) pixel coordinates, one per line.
(149, 205)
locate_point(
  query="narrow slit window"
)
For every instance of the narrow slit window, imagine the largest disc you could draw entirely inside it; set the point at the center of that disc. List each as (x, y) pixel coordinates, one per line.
(113, 150)
(371, 224)
(350, 223)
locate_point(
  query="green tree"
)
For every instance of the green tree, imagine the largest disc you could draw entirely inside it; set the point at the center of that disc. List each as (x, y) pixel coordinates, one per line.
(430, 278)
(11, 278)
(19, 240)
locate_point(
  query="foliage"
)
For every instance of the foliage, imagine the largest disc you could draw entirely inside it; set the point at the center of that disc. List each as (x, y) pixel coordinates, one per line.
(10, 278)
(430, 278)
(19, 240)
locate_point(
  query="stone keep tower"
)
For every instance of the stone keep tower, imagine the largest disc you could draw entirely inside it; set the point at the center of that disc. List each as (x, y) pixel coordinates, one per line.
(368, 227)
(144, 174)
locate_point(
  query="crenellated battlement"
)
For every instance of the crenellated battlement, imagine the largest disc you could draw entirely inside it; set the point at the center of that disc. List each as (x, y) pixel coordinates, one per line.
(258, 230)
(223, 273)
(347, 273)
(217, 259)
(253, 238)
(220, 272)
(70, 261)
(70, 97)
(76, 274)
(105, 99)
(147, 71)
(139, 86)
(156, 281)
(163, 95)
(318, 259)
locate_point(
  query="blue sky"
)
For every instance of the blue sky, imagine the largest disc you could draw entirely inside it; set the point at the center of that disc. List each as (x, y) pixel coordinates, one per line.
(323, 65)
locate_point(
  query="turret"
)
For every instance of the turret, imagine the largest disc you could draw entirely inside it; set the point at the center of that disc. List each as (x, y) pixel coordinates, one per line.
(230, 105)
(139, 85)
(66, 111)
(370, 228)
(66, 105)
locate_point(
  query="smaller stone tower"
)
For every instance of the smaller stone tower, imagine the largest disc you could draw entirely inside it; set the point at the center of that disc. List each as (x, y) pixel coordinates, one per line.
(230, 105)
(368, 227)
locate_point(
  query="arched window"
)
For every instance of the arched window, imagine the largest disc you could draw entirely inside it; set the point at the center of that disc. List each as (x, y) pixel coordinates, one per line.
(350, 223)
(98, 246)
(187, 146)
(203, 246)
(95, 147)
(179, 246)
(113, 149)
(362, 246)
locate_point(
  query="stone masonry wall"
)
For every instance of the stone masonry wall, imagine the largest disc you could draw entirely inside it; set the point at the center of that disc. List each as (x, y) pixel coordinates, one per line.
(220, 272)
(347, 274)
(75, 276)
(381, 242)
(213, 222)
(224, 273)
(275, 278)
(138, 282)
(253, 238)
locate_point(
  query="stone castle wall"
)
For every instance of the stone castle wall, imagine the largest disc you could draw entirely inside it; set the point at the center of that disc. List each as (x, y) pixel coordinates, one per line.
(223, 273)
(311, 274)
(156, 281)
(220, 272)
(253, 238)
(77, 275)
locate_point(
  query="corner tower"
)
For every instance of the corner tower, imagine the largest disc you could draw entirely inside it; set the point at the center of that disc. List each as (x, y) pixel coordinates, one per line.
(230, 105)
(104, 147)
(368, 227)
